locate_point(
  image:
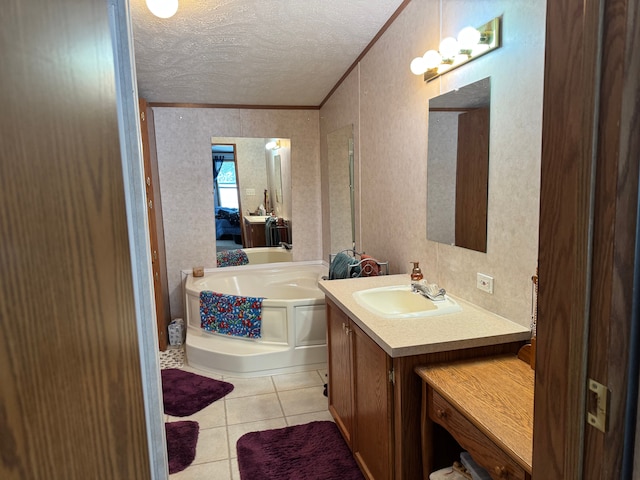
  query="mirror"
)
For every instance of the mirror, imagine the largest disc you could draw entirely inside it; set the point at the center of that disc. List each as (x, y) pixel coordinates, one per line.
(341, 189)
(257, 181)
(458, 166)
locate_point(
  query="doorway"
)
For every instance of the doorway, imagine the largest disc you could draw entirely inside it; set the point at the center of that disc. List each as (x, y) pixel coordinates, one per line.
(226, 198)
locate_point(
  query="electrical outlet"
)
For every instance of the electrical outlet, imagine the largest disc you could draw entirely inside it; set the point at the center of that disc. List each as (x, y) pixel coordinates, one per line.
(484, 283)
(250, 192)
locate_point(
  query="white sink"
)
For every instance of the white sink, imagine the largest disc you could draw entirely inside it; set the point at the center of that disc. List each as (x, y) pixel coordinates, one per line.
(399, 301)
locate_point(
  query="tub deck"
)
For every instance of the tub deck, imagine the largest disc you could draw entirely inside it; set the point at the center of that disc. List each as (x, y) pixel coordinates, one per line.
(293, 327)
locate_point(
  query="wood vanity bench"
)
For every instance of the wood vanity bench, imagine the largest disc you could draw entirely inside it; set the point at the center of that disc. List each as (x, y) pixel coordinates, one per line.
(486, 405)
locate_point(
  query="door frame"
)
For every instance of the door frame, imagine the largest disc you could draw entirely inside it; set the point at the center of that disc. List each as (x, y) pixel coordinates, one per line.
(216, 192)
(589, 187)
(138, 226)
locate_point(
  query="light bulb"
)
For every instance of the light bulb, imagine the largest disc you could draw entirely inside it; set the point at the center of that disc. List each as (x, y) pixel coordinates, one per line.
(468, 38)
(418, 66)
(448, 47)
(432, 59)
(163, 8)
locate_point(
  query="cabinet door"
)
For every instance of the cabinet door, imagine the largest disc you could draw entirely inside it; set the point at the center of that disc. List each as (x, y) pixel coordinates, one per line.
(373, 403)
(248, 239)
(340, 391)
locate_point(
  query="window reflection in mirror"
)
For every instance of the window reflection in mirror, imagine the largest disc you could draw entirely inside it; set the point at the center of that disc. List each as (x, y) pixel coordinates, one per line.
(250, 175)
(458, 166)
(341, 208)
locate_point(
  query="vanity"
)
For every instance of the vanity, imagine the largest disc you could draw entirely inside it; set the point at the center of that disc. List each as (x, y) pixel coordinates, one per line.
(375, 394)
(254, 234)
(486, 404)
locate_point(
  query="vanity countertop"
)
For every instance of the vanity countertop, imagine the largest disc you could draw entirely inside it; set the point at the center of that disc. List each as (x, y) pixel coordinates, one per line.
(400, 337)
(256, 218)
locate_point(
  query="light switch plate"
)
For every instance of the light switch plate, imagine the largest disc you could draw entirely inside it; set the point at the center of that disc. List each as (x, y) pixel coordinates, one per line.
(484, 283)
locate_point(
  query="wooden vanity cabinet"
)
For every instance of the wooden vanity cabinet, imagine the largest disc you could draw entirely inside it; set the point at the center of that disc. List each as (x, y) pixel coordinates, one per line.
(254, 234)
(340, 377)
(376, 400)
(360, 394)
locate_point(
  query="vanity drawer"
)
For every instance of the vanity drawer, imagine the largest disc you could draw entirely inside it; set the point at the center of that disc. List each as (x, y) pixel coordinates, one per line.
(483, 450)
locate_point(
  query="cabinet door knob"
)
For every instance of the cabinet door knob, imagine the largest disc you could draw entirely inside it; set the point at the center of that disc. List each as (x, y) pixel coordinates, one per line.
(501, 471)
(441, 413)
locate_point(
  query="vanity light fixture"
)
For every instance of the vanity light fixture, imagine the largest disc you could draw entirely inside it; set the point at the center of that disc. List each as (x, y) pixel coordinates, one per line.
(453, 52)
(273, 145)
(163, 8)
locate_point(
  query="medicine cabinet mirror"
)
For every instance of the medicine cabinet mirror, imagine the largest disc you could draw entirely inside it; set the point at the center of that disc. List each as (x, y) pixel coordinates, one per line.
(458, 166)
(341, 188)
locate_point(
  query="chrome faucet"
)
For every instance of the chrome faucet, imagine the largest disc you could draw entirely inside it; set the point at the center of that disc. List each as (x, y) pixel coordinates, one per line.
(432, 292)
(286, 246)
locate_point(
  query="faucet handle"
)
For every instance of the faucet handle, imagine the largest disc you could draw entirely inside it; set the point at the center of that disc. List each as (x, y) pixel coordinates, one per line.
(433, 291)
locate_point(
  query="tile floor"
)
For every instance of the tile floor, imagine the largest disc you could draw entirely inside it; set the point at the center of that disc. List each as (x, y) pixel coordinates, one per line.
(254, 404)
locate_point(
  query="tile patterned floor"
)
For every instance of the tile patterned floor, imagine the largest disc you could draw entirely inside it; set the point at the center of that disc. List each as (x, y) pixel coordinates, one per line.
(172, 357)
(254, 404)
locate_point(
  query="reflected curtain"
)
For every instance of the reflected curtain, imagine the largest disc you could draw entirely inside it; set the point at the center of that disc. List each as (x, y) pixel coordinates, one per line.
(218, 161)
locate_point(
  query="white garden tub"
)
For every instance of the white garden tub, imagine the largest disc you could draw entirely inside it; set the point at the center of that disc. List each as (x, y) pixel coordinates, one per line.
(259, 255)
(293, 332)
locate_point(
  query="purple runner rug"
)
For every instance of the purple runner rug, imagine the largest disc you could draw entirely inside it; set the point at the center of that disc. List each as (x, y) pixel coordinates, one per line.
(314, 451)
(182, 438)
(185, 393)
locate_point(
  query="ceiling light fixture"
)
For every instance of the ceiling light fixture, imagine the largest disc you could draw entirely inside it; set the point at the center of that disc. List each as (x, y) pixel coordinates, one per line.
(453, 52)
(163, 8)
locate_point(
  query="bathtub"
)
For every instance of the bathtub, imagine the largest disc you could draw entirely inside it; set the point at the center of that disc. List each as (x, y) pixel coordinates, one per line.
(293, 332)
(259, 255)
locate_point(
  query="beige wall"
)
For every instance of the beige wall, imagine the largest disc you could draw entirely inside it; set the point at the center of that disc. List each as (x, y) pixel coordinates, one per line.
(388, 106)
(183, 137)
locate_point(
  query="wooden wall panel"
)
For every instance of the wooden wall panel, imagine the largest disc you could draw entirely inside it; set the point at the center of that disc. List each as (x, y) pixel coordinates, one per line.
(71, 401)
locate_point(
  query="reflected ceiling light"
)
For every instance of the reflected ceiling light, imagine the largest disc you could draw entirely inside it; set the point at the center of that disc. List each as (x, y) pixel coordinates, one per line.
(163, 8)
(273, 145)
(453, 52)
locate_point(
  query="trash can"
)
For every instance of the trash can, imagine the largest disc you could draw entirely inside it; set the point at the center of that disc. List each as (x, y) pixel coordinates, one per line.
(176, 332)
(476, 471)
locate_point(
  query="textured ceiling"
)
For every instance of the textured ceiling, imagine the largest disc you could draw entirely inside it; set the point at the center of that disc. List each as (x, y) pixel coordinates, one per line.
(252, 52)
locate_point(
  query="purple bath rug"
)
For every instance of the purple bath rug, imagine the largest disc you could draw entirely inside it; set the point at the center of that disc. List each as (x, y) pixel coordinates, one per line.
(181, 444)
(185, 393)
(314, 451)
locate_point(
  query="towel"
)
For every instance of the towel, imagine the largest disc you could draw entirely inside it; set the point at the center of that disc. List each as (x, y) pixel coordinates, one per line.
(271, 233)
(231, 314)
(369, 266)
(339, 267)
(232, 258)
